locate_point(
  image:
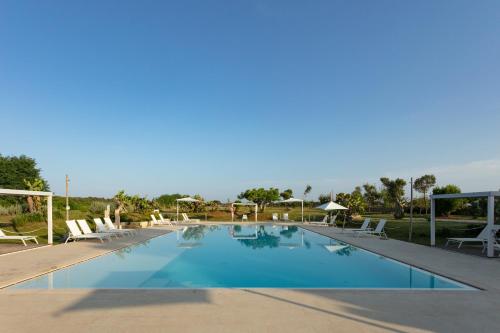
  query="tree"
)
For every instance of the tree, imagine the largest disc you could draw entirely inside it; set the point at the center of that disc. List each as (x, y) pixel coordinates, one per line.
(261, 196)
(324, 198)
(371, 195)
(122, 202)
(286, 194)
(35, 202)
(307, 191)
(423, 185)
(444, 207)
(15, 171)
(395, 191)
(169, 200)
(354, 203)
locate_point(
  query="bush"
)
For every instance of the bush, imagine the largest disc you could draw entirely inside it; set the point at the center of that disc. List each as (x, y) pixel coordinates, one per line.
(98, 207)
(57, 214)
(22, 219)
(15, 209)
(444, 232)
(444, 207)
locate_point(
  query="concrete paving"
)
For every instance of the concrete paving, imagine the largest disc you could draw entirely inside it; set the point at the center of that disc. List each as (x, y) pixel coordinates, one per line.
(253, 310)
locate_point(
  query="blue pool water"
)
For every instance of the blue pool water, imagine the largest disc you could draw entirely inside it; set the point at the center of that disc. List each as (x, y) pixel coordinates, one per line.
(242, 257)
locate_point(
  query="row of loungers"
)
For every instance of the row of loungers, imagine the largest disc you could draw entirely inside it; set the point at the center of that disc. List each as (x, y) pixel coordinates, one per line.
(80, 229)
(363, 230)
(164, 221)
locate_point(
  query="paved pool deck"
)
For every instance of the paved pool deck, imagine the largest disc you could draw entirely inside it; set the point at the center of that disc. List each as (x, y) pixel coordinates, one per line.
(253, 310)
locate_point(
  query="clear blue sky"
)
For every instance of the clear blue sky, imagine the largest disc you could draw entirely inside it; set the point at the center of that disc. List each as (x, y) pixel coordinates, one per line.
(213, 97)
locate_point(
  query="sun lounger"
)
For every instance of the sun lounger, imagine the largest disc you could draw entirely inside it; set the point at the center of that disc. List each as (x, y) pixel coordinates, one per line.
(244, 218)
(379, 230)
(111, 226)
(161, 222)
(324, 222)
(23, 239)
(102, 228)
(84, 226)
(481, 238)
(164, 220)
(75, 233)
(185, 218)
(363, 227)
(285, 217)
(275, 217)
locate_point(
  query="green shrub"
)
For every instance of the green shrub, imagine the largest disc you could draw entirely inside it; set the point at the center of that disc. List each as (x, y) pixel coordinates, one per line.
(22, 219)
(57, 214)
(15, 209)
(444, 232)
(98, 207)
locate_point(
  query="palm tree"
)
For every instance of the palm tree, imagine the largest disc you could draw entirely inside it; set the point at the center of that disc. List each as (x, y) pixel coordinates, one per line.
(307, 191)
(122, 202)
(34, 202)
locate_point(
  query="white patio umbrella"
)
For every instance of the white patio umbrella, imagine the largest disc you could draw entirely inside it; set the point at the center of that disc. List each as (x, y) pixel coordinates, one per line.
(330, 206)
(291, 200)
(186, 199)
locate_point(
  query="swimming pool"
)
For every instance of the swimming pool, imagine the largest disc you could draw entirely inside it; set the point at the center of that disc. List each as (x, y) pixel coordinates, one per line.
(242, 257)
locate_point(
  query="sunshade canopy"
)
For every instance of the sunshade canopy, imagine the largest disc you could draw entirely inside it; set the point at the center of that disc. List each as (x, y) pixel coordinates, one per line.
(187, 199)
(289, 200)
(331, 206)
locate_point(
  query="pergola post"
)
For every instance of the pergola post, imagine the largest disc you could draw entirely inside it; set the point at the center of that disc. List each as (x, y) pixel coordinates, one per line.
(177, 217)
(491, 220)
(50, 236)
(433, 221)
(302, 211)
(256, 209)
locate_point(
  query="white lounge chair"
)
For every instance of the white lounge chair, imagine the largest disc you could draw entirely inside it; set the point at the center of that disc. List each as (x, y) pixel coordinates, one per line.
(496, 246)
(164, 220)
(379, 230)
(324, 222)
(275, 217)
(244, 218)
(84, 226)
(185, 218)
(102, 228)
(481, 238)
(285, 217)
(75, 233)
(364, 226)
(23, 239)
(156, 222)
(111, 226)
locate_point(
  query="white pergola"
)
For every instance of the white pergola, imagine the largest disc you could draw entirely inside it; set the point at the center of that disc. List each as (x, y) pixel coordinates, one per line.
(186, 199)
(293, 200)
(243, 204)
(50, 237)
(490, 213)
